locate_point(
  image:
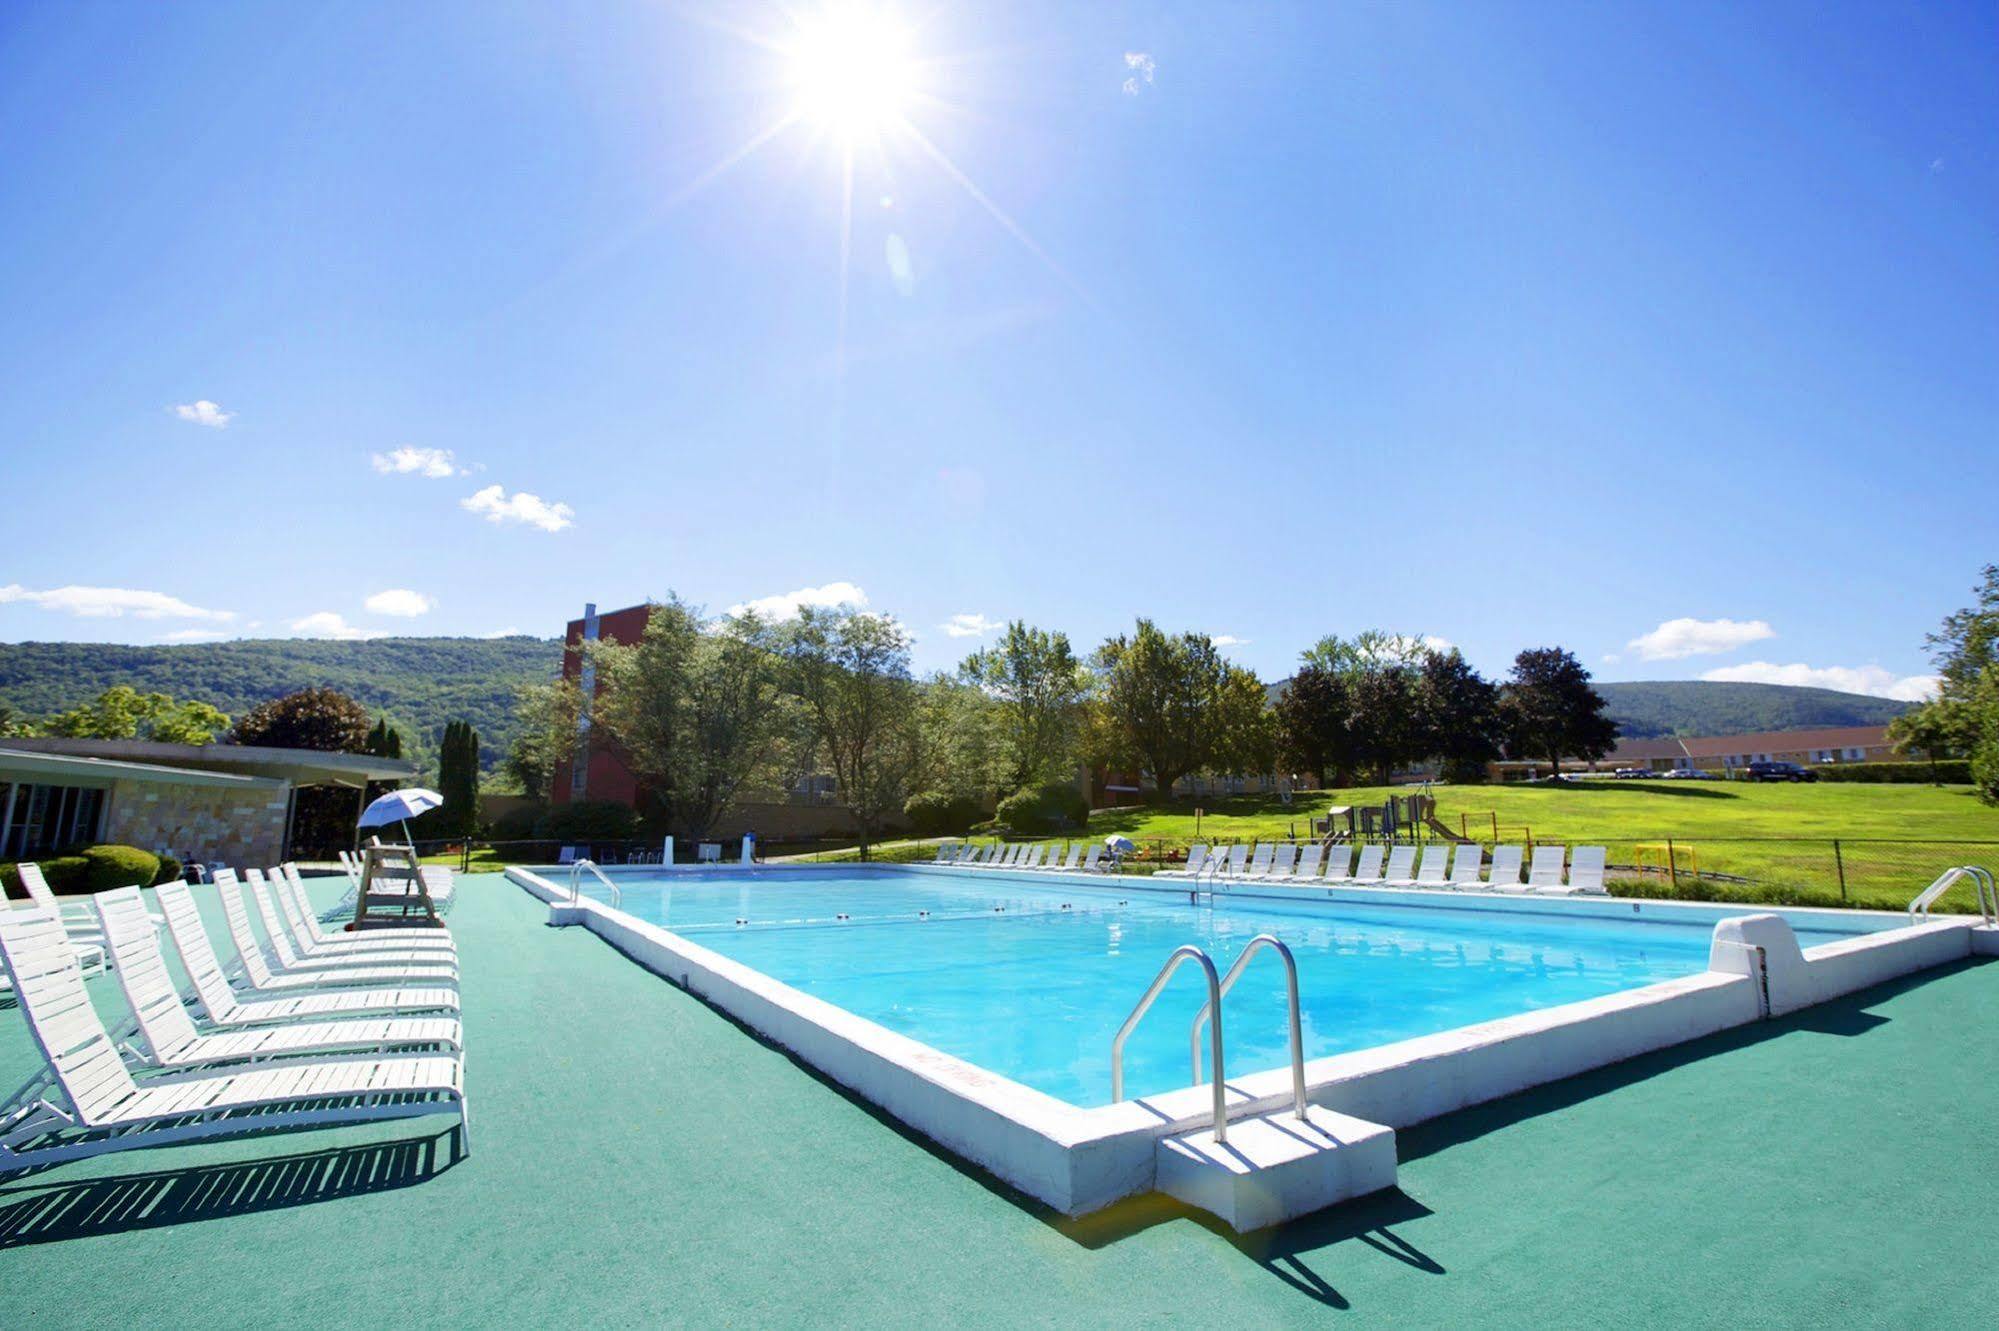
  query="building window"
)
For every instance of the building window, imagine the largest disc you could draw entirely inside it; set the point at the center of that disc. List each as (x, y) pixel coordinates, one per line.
(35, 820)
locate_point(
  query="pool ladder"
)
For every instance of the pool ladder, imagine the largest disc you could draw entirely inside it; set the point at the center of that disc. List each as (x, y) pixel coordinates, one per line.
(1218, 988)
(576, 882)
(1212, 871)
(1981, 880)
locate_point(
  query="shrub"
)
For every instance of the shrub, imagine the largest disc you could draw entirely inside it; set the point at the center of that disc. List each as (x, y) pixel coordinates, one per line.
(934, 813)
(1050, 808)
(170, 869)
(588, 820)
(118, 866)
(1952, 771)
(517, 824)
(64, 873)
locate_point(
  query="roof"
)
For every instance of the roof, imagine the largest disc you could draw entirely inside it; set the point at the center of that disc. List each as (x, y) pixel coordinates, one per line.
(1788, 741)
(304, 767)
(74, 769)
(1646, 750)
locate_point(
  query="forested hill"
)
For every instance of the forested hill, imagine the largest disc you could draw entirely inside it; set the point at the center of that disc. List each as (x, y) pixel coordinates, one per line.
(1687, 707)
(418, 683)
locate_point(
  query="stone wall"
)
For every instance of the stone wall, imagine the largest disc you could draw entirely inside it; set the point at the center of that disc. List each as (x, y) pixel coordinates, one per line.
(240, 827)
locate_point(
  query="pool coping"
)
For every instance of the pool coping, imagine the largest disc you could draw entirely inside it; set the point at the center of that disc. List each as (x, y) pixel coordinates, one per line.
(1079, 1160)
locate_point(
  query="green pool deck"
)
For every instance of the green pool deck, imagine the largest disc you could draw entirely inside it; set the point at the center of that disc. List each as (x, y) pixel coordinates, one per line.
(641, 1160)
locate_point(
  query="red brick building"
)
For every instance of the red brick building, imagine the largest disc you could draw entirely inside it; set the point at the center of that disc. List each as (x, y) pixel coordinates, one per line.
(603, 773)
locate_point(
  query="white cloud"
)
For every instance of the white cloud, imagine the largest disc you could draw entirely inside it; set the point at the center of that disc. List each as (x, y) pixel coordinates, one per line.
(400, 602)
(327, 624)
(435, 463)
(1870, 679)
(1142, 67)
(1677, 639)
(194, 635)
(789, 604)
(508, 632)
(1228, 640)
(970, 626)
(493, 504)
(206, 413)
(111, 603)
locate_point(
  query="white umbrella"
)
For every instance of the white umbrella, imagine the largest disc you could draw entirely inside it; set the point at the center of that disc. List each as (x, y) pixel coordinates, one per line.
(1118, 843)
(399, 806)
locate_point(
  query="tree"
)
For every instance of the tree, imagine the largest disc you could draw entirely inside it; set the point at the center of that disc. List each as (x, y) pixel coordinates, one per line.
(1967, 644)
(316, 718)
(1038, 686)
(457, 781)
(1964, 716)
(1245, 730)
(1387, 731)
(1457, 714)
(1550, 711)
(122, 712)
(384, 741)
(1370, 649)
(548, 718)
(849, 671)
(1314, 725)
(1159, 697)
(696, 708)
(1940, 728)
(964, 751)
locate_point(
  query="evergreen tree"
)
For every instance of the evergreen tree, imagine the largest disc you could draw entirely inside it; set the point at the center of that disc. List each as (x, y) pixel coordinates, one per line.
(458, 779)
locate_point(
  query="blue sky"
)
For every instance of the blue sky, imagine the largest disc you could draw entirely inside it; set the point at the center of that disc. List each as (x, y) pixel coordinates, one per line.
(1670, 335)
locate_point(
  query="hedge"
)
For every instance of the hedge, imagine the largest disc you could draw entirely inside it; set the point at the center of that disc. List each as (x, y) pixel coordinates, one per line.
(92, 869)
(1950, 771)
(1050, 808)
(934, 813)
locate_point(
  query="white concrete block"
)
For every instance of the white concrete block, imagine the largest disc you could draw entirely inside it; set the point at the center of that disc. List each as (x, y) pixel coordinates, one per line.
(1277, 1167)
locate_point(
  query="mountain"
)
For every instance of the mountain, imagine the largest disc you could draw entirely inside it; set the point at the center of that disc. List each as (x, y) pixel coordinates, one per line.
(418, 683)
(1684, 708)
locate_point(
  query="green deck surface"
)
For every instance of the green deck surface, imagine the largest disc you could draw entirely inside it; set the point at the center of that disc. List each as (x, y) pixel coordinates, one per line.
(641, 1160)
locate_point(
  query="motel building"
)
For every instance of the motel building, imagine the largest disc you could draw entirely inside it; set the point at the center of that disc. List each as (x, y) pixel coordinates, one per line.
(1726, 754)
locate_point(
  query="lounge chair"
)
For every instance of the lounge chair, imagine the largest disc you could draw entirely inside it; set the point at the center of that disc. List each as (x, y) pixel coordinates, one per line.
(1310, 861)
(1032, 860)
(1092, 861)
(169, 1034)
(1069, 861)
(1401, 870)
(1544, 873)
(350, 950)
(1259, 863)
(1586, 872)
(1339, 858)
(305, 925)
(944, 849)
(1505, 875)
(1367, 867)
(1430, 870)
(108, 1110)
(1281, 864)
(1196, 855)
(1466, 865)
(79, 922)
(223, 1006)
(272, 973)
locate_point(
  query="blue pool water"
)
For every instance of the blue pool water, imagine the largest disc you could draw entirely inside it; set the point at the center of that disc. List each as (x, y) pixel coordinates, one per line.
(1031, 979)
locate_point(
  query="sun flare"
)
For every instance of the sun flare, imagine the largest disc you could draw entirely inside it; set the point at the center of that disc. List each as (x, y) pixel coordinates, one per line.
(852, 69)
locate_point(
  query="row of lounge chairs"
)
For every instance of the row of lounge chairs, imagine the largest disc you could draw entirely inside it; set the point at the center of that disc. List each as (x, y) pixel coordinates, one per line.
(1441, 866)
(1045, 857)
(308, 1027)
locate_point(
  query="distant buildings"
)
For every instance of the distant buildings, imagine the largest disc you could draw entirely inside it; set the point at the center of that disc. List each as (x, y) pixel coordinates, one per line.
(1724, 753)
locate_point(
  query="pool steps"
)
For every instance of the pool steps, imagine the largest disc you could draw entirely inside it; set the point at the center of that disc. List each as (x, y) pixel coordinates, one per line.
(1276, 1167)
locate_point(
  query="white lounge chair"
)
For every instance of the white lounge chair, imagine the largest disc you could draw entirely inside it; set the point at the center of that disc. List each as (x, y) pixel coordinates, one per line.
(1092, 860)
(1339, 858)
(1281, 863)
(1467, 863)
(1032, 860)
(107, 1110)
(1074, 856)
(1197, 854)
(1310, 861)
(1367, 867)
(223, 1006)
(281, 927)
(1505, 875)
(169, 1035)
(1430, 870)
(1401, 870)
(306, 924)
(79, 922)
(1544, 873)
(1259, 863)
(269, 973)
(1586, 872)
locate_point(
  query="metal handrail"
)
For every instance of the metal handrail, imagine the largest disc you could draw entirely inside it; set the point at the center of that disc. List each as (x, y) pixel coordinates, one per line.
(1297, 1025)
(576, 882)
(1184, 953)
(1988, 892)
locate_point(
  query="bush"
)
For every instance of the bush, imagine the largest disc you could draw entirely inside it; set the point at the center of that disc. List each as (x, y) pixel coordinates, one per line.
(588, 820)
(1050, 808)
(170, 869)
(119, 866)
(65, 874)
(934, 813)
(517, 824)
(1951, 771)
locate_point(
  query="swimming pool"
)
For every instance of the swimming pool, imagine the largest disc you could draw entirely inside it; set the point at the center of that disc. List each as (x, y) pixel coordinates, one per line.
(1030, 978)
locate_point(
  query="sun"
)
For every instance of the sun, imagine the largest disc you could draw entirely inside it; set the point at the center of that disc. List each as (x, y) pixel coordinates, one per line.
(852, 69)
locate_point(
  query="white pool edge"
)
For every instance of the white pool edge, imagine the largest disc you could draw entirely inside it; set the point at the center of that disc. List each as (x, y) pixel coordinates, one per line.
(1080, 1160)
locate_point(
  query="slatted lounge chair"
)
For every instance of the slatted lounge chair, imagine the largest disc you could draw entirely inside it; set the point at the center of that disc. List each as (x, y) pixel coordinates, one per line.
(306, 927)
(1196, 854)
(1466, 865)
(1032, 860)
(223, 1006)
(943, 853)
(1544, 873)
(281, 928)
(1430, 870)
(1259, 863)
(1310, 860)
(1401, 870)
(1339, 858)
(102, 1108)
(270, 973)
(1237, 863)
(79, 922)
(168, 1036)
(1505, 875)
(1586, 872)
(1091, 861)
(1281, 863)
(1367, 867)
(1070, 860)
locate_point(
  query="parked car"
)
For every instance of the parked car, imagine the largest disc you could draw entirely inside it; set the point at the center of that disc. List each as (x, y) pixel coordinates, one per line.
(1781, 772)
(1687, 774)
